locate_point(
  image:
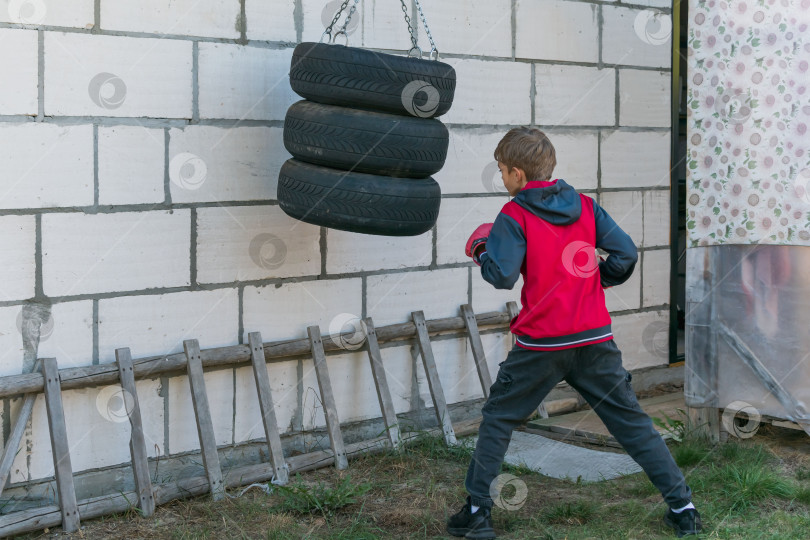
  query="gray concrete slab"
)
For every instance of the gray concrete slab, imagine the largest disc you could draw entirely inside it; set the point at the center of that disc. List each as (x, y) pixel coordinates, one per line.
(560, 460)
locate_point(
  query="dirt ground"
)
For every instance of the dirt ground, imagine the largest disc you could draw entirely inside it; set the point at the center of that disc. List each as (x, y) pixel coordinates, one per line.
(411, 494)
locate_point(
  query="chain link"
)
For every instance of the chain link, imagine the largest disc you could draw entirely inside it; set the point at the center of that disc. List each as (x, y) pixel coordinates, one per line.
(328, 31)
(412, 32)
(433, 48)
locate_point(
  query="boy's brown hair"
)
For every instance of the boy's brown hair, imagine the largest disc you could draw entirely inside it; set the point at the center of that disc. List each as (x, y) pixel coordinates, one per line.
(529, 149)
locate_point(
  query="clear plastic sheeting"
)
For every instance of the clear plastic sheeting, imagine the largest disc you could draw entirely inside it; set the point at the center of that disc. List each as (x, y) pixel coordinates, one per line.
(747, 338)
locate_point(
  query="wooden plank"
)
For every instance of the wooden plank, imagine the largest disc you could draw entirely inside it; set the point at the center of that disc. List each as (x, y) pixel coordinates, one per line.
(137, 441)
(59, 446)
(381, 384)
(231, 356)
(432, 374)
(15, 438)
(267, 409)
(477, 348)
(202, 412)
(513, 310)
(327, 398)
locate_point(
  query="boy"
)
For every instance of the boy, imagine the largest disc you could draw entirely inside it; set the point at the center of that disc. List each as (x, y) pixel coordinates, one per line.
(548, 233)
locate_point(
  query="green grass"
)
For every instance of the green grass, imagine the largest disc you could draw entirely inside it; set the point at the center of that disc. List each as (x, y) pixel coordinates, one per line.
(300, 498)
(570, 513)
(743, 490)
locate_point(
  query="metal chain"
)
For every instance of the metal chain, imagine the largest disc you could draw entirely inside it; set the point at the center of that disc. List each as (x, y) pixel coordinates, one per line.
(328, 31)
(433, 48)
(411, 30)
(348, 18)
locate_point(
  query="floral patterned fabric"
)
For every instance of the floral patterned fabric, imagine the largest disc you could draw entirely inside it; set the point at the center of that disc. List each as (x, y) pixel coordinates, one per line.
(748, 112)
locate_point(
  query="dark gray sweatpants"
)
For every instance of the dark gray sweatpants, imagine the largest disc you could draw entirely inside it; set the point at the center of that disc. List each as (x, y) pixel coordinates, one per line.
(596, 372)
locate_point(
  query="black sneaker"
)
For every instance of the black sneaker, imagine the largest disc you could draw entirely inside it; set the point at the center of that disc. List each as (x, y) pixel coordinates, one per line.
(684, 523)
(477, 526)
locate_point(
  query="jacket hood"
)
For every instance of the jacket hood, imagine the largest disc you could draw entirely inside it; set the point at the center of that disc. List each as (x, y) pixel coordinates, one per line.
(555, 201)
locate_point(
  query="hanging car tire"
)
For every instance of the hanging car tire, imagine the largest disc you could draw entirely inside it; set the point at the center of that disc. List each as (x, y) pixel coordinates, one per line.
(358, 202)
(365, 141)
(352, 77)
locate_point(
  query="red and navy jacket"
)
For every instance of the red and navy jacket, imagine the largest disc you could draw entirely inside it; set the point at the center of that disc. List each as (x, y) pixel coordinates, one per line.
(549, 233)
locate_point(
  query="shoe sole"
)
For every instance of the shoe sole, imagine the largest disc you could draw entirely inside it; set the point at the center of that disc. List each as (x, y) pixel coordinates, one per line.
(477, 534)
(671, 524)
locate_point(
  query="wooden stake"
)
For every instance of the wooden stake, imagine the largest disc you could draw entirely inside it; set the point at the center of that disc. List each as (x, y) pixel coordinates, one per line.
(205, 426)
(59, 446)
(268, 411)
(477, 348)
(15, 438)
(137, 442)
(327, 398)
(381, 384)
(435, 385)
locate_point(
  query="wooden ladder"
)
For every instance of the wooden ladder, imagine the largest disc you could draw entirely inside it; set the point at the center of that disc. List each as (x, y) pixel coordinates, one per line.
(145, 493)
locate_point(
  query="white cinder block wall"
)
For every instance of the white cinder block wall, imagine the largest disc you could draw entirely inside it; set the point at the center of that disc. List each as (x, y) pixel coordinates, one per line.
(140, 143)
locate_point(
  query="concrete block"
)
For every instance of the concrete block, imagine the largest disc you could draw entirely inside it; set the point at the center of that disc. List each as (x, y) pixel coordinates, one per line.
(254, 242)
(643, 339)
(457, 371)
(665, 5)
(657, 277)
(183, 436)
(318, 14)
(353, 385)
(130, 165)
(656, 218)
(209, 18)
(152, 325)
(74, 14)
(97, 428)
(577, 158)
(625, 207)
(45, 165)
(479, 101)
(496, 347)
(474, 27)
(285, 311)
(575, 95)
(93, 75)
(352, 252)
(244, 83)
(635, 159)
(270, 20)
(399, 371)
(627, 295)
(283, 385)
(84, 254)
(636, 37)
(644, 98)
(383, 25)
(18, 94)
(392, 297)
(485, 297)
(11, 345)
(458, 219)
(470, 165)
(68, 335)
(17, 243)
(557, 30)
(204, 160)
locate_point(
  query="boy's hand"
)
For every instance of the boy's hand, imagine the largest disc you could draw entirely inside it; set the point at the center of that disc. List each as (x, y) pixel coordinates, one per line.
(477, 242)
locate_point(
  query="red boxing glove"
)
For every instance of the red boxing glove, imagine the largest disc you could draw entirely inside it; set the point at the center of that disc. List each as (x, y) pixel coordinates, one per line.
(477, 242)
